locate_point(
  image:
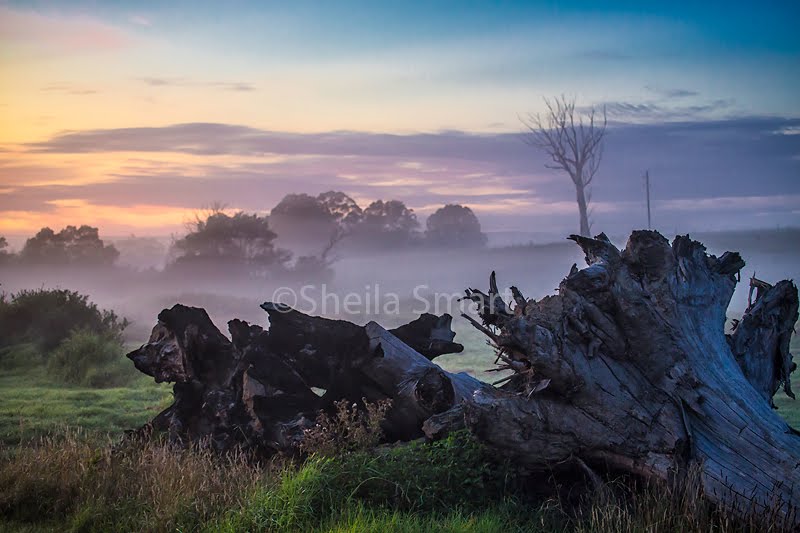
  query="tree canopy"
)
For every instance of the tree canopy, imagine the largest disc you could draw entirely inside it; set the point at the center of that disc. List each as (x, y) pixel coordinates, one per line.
(342, 208)
(388, 223)
(454, 225)
(239, 239)
(307, 223)
(70, 246)
(303, 222)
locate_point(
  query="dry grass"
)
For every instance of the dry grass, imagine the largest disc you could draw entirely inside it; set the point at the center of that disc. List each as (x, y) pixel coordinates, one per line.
(130, 485)
(72, 483)
(349, 428)
(658, 507)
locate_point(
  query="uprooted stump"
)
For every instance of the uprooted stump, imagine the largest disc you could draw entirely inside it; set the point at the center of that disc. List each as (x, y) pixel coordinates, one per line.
(627, 370)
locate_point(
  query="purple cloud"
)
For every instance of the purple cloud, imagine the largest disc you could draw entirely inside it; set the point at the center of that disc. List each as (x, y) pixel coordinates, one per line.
(746, 162)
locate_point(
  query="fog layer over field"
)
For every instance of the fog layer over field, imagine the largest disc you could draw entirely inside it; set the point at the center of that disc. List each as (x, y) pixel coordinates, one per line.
(391, 287)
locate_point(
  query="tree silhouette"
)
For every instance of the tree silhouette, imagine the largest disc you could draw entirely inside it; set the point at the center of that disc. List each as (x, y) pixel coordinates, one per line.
(70, 246)
(302, 222)
(4, 255)
(454, 225)
(344, 209)
(236, 241)
(388, 223)
(574, 142)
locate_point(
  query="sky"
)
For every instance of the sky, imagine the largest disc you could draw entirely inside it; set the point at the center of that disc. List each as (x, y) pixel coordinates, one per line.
(133, 116)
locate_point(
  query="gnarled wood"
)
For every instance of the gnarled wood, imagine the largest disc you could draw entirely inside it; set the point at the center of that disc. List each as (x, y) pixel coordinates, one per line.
(642, 377)
(261, 388)
(429, 335)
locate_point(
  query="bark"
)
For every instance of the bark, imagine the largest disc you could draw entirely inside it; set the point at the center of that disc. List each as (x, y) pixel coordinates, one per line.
(763, 352)
(429, 335)
(583, 212)
(263, 388)
(627, 369)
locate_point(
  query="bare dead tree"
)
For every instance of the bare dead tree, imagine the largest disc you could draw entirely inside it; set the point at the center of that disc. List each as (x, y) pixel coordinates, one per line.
(574, 142)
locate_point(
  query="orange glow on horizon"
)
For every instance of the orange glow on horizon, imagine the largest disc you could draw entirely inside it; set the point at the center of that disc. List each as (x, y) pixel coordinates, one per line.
(112, 220)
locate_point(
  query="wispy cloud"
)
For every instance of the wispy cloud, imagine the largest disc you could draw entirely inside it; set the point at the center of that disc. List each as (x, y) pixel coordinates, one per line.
(788, 130)
(66, 88)
(661, 112)
(731, 203)
(183, 82)
(186, 166)
(673, 93)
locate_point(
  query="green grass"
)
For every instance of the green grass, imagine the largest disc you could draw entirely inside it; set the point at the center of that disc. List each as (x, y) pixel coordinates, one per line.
(67, 484)
(86, 487)
(357, 519)
(34, 404)
(790, 409)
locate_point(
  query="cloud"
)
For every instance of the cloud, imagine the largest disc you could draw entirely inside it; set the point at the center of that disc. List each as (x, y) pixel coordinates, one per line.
(65, 88)
(110, 218)
(658, 112)
(671, 93)
(788, 130)
(211, 138)
(183, 82)
(731, 169)
(733, 203)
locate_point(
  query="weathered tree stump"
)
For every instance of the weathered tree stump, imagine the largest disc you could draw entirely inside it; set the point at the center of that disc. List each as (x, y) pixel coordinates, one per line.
(629, 369)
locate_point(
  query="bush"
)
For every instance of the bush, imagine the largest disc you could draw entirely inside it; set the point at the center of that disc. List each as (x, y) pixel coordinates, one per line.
(92, 360)
(47, 316)
(350, 428)
(25, 355)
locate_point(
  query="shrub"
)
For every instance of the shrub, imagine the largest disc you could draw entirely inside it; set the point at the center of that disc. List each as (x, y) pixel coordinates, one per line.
(25, 355)
(47, 316)
(92, 360)
(349, 428)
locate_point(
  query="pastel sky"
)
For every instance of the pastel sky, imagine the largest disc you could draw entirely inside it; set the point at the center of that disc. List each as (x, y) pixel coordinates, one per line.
(131, 116)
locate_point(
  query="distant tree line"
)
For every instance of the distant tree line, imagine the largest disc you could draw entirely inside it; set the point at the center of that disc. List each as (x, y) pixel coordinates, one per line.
(300, 236)
(71, 246)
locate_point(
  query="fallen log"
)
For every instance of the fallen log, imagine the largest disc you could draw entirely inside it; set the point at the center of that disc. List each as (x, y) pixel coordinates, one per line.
(264, 388)
(626, 370)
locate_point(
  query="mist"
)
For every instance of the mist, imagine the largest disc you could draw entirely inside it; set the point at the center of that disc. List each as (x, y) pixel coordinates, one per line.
(362, 283)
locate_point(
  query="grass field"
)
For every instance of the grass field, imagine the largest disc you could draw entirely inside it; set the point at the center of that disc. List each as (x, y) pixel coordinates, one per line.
(75, 482)
(33, 405)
